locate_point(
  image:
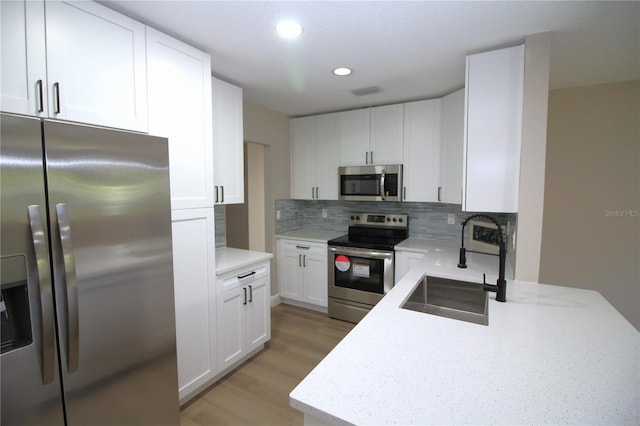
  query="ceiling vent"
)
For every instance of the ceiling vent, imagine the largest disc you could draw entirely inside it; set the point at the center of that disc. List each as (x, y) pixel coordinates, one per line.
(366, 91)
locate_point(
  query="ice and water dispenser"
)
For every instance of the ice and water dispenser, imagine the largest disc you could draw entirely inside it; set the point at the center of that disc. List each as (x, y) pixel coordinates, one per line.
(14, 304)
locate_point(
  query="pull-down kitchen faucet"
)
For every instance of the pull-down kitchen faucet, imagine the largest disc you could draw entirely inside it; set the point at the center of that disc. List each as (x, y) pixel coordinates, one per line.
(501, 284)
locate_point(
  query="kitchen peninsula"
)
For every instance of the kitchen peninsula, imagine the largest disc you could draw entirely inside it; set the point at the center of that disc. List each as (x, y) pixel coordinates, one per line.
(550, 354)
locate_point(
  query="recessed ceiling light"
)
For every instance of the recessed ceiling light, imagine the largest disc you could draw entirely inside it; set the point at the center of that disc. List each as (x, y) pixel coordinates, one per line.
(342, 71)
(288, 29)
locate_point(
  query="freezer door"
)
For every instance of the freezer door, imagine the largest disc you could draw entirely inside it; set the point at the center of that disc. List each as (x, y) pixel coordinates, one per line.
(110, 220)
(29, 367)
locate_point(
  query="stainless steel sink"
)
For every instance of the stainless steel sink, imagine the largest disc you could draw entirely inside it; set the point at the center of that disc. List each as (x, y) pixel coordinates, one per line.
(454, 299)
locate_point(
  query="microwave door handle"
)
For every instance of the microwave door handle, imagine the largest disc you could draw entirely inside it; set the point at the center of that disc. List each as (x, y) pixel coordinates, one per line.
(382, 176)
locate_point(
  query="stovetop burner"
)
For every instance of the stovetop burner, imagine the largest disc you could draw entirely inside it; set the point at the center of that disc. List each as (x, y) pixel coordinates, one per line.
(374, 231)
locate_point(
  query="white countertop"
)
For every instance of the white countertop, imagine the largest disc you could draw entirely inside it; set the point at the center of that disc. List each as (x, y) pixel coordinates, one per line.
(228, 259)
(550, 355)
(310, 235)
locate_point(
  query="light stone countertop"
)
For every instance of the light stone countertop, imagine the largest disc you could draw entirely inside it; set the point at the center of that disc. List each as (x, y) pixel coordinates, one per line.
(310, 235)
(228, 259)
(550, 355)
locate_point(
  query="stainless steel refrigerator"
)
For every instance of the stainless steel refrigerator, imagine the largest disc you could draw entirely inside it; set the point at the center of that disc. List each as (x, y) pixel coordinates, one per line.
(87, 309)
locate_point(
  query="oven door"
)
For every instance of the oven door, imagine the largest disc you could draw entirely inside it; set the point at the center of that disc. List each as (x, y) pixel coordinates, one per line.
(360, 275)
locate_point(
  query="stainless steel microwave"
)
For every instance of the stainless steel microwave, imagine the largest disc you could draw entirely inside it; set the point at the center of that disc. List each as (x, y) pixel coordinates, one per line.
(370, 183)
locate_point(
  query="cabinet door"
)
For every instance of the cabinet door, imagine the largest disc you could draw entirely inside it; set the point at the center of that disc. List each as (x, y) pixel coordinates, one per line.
(195, 296)
(354, 129)
(451, 143)
(303, 180)
(290, 274)
(315, 279)
(258, 313)
(180, 109)
(232, 326)
(494, 93)
(405, 260)
(23, 58)
(421, 171)
(96, 65)
(387, 128)
(228, 142)
(327, 156)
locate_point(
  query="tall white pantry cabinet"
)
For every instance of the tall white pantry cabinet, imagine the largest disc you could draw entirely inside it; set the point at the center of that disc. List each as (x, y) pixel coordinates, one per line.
(179, 74)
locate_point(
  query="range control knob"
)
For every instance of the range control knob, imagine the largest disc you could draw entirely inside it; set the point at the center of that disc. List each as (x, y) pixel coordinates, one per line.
(400, 220)
(357, 217)
(353, 217)
(388, 219)
(395, 219)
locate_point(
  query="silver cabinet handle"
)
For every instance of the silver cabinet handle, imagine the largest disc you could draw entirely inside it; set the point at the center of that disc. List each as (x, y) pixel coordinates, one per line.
(439, 190)
(303, 247)
(40, 96)
(299, 261)
(366, 157)
(216, 189)
(304, 260)
(56, 96)
(404, 193)
(244, 291)
(312, 192)
(222, 192)
(250, 294)
(371, 157)
(41, 249)
(382, 177)
(71, 285)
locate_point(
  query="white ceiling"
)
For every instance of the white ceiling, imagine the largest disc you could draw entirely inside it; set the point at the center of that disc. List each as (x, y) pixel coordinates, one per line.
(410, 49)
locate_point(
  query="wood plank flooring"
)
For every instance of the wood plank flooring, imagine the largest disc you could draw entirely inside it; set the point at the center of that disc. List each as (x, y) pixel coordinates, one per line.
(257, 393)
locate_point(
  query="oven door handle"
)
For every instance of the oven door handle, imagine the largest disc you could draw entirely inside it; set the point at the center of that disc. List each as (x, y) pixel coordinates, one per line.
(353, 251)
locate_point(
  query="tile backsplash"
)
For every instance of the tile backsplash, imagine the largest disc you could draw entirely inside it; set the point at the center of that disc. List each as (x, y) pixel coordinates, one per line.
(426, 220)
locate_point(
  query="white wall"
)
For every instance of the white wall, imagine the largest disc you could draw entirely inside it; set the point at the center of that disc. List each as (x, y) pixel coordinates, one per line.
(591, 228)
(532, 165)
(271, 129)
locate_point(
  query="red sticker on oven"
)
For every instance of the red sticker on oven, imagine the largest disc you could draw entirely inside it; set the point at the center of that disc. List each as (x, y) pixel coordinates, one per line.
(343, 263)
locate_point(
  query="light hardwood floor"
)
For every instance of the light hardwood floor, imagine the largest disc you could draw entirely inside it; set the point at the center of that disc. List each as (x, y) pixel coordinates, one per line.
(257, 393)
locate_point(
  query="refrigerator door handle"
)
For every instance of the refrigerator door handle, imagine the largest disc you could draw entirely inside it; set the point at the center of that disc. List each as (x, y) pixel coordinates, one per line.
(71, 285)
(41, 250)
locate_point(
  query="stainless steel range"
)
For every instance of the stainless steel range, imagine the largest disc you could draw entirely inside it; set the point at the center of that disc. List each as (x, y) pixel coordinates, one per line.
(361, 263)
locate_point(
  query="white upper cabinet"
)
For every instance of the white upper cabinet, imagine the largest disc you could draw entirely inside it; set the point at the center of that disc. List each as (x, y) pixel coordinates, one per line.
(371, 135)
(493, 130)
(96, 65)
(327, 156)
(89, 66)
(387, 130)
(179, 78)
(24, 71)
(451, 143)
(421, 172)
(228, 142)
(354, 128)
(303, 165)
(314, 157)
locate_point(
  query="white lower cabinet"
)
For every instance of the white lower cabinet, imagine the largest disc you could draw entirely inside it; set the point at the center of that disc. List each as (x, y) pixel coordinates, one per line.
(195, 297)
(405, 260)
(244, 313)
(302, 271)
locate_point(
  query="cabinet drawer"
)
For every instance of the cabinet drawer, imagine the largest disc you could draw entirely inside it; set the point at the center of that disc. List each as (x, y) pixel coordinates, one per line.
(303, 247)
(242, 276)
